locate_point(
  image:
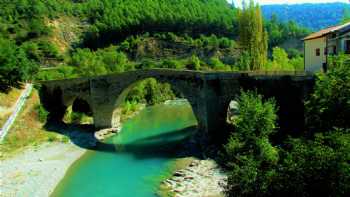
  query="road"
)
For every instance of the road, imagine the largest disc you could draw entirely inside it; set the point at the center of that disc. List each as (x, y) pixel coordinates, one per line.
(16, 110)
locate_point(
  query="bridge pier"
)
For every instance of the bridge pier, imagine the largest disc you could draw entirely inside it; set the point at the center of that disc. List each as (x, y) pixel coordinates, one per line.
(103, 117)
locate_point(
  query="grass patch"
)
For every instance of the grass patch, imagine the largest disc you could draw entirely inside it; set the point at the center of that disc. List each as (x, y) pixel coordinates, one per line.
(8, 99)
(4, 117)
(27, 129)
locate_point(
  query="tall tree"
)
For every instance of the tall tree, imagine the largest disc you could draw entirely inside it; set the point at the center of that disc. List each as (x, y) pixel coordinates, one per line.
(252, 35)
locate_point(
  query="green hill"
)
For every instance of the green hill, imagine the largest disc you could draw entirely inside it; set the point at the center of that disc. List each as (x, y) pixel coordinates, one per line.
(312, 16)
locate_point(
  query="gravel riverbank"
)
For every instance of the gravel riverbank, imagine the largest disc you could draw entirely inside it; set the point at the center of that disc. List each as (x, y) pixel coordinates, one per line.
(202, 178)
(37, 170)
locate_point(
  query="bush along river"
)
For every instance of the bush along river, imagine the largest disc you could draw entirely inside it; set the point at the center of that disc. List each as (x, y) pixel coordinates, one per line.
(135, 161)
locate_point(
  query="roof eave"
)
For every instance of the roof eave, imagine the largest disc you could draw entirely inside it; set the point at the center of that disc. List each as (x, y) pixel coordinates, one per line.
(313, 38)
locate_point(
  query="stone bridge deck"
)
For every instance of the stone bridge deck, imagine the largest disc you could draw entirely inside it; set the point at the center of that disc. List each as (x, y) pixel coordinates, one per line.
(209, 94)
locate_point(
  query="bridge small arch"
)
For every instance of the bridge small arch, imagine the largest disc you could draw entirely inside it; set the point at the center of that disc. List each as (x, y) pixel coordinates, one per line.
(78, 111)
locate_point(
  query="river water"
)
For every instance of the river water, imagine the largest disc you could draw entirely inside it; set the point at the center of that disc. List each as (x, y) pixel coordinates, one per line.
(132, 163)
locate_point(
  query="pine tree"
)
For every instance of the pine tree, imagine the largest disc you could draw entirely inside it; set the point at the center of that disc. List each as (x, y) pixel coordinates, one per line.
(252, 35)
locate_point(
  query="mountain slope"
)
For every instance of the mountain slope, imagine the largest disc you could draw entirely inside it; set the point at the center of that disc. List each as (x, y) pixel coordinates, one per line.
(312, 16)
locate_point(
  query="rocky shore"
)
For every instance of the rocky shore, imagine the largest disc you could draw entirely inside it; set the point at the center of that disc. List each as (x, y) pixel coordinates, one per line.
(106, 133)
(202, 178)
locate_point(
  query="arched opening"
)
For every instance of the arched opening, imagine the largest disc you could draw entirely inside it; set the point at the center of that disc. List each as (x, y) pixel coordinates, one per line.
(70, 116)
(81, 106)
(147, 92)
(78, 112)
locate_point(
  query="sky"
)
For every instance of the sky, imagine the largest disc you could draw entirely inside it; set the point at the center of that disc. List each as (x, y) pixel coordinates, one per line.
(264, 2)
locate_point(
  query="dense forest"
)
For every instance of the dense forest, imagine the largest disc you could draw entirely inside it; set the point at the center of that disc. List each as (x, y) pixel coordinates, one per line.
(312, 16)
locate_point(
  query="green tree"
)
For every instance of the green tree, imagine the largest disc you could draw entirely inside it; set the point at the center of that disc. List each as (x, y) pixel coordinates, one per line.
(317, 167)
(280, 61)
(194, 63)
(113, 60)
(249, 153)
(253, 38)
(329, 105)
(87, 63)
(280, 57)
(14, 64)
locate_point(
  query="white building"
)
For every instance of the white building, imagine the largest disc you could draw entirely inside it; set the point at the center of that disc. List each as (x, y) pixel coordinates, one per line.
(327, 42)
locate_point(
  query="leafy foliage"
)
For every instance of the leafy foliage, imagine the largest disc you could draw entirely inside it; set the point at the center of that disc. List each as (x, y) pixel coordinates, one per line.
(90, 63)
(151, 92)
(318, 167)
(281, 62)
(42, 113)
(15, 66)
(249, 153)
(329, 105)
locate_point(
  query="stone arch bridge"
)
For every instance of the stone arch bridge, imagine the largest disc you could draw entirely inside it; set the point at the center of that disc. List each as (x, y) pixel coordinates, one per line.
(209, 94)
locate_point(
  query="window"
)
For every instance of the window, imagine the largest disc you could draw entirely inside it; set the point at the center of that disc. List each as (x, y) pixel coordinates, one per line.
(318, 52)
(324, 67)
(325, 51)
(334, 50)
(347, 47)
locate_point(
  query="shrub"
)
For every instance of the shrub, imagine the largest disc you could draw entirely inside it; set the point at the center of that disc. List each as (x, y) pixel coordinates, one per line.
(280, 61)
(87, 63)
(329, 105)
(76, 117)
(42, 113)
(48, 49)
(173, 64)
(147, 64)
(297, 63)
(318, 167)
(194, 63)
(114, 61)
(216, 64)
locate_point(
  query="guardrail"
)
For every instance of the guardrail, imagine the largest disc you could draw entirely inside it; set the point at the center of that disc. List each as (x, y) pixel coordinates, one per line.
(18, 106)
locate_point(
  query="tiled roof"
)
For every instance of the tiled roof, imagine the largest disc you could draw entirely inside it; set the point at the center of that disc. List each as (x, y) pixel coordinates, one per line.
(324, 32)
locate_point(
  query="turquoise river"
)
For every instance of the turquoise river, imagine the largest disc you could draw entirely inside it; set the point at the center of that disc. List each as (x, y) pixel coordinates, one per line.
(132, 163)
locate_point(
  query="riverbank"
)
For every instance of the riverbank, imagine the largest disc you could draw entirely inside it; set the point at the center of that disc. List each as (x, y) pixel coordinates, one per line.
(38, 169)
(195, 178)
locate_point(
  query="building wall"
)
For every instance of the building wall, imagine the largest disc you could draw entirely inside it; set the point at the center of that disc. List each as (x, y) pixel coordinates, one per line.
(314, 63)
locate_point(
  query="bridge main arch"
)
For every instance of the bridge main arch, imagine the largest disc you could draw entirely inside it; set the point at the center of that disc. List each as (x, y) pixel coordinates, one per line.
(110, 92)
